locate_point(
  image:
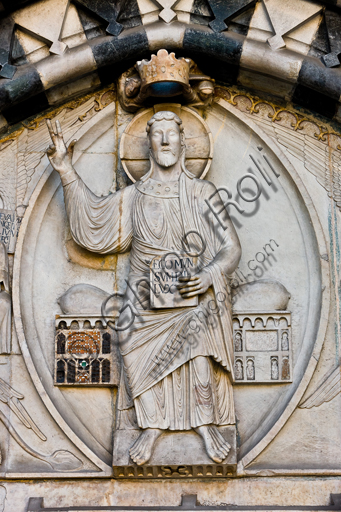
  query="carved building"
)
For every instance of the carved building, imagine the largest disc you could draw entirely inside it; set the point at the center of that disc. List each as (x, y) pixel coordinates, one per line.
(170, 196)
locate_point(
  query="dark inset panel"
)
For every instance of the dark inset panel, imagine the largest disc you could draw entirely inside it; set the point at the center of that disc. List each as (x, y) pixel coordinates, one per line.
(315, 101)
(60, 377)
(106, 371)
(71, 371)
(61, 343)
(106, 345)
(95, 371)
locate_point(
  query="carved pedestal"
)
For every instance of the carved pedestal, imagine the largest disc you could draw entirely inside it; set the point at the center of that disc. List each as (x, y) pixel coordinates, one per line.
(176, 455)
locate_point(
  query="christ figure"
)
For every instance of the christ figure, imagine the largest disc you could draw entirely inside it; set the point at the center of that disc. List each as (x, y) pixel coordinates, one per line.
(164, 212)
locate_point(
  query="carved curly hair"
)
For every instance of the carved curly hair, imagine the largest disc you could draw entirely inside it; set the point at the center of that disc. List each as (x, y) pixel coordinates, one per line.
(167, 115)
(164, 115)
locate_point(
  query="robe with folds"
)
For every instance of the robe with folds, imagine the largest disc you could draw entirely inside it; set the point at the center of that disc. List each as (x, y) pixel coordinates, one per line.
(5, 322)
(5, 303)
(177, 364)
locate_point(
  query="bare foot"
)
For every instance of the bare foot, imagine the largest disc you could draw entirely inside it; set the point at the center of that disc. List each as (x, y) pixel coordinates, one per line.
(142, 449)
(216, 446)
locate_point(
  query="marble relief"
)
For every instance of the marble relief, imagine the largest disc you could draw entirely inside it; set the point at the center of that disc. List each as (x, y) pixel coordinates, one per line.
(170, 198)
(5, 303)
(158, 366)
(168, 291)
(181, 346)
(152, 267)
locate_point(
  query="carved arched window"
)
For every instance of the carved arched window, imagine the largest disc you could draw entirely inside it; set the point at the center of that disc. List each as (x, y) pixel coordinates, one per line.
(106, 371)
(95, 371)
(60, 377)
(71, 371)
(61, 343)
(106, 338)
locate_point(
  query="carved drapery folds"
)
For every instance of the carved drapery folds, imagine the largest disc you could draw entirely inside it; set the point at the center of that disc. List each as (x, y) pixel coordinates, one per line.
(5, 303)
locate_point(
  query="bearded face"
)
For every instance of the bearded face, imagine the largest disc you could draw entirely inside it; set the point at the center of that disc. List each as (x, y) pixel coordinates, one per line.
(165, 142)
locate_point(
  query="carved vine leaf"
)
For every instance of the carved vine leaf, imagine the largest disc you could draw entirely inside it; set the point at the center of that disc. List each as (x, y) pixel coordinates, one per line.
(329, 389)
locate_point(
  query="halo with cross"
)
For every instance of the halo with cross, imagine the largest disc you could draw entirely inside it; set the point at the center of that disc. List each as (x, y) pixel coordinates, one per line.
(134, 146)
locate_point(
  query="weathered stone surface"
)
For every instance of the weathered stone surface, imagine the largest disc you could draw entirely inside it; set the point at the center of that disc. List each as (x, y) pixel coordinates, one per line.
(45, 21)
(225, 10)
(175, 449)
(227, 379)
(214, 123)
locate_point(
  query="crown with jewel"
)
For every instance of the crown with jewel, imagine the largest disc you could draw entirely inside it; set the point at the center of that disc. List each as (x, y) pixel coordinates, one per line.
(163, 67)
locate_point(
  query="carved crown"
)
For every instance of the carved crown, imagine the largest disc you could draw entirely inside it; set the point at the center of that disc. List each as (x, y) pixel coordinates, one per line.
(163, 67)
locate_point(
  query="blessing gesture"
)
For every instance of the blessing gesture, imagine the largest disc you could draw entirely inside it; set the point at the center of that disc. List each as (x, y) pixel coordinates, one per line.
(59, 155)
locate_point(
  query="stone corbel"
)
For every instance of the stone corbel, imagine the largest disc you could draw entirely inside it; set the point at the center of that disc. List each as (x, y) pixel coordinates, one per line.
(164, 76)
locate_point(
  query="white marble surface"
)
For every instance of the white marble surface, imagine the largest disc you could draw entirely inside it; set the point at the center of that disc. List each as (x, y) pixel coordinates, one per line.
(274, 436)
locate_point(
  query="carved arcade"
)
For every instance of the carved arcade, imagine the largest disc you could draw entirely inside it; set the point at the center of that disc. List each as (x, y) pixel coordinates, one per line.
(262, 347)
(85, 351)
